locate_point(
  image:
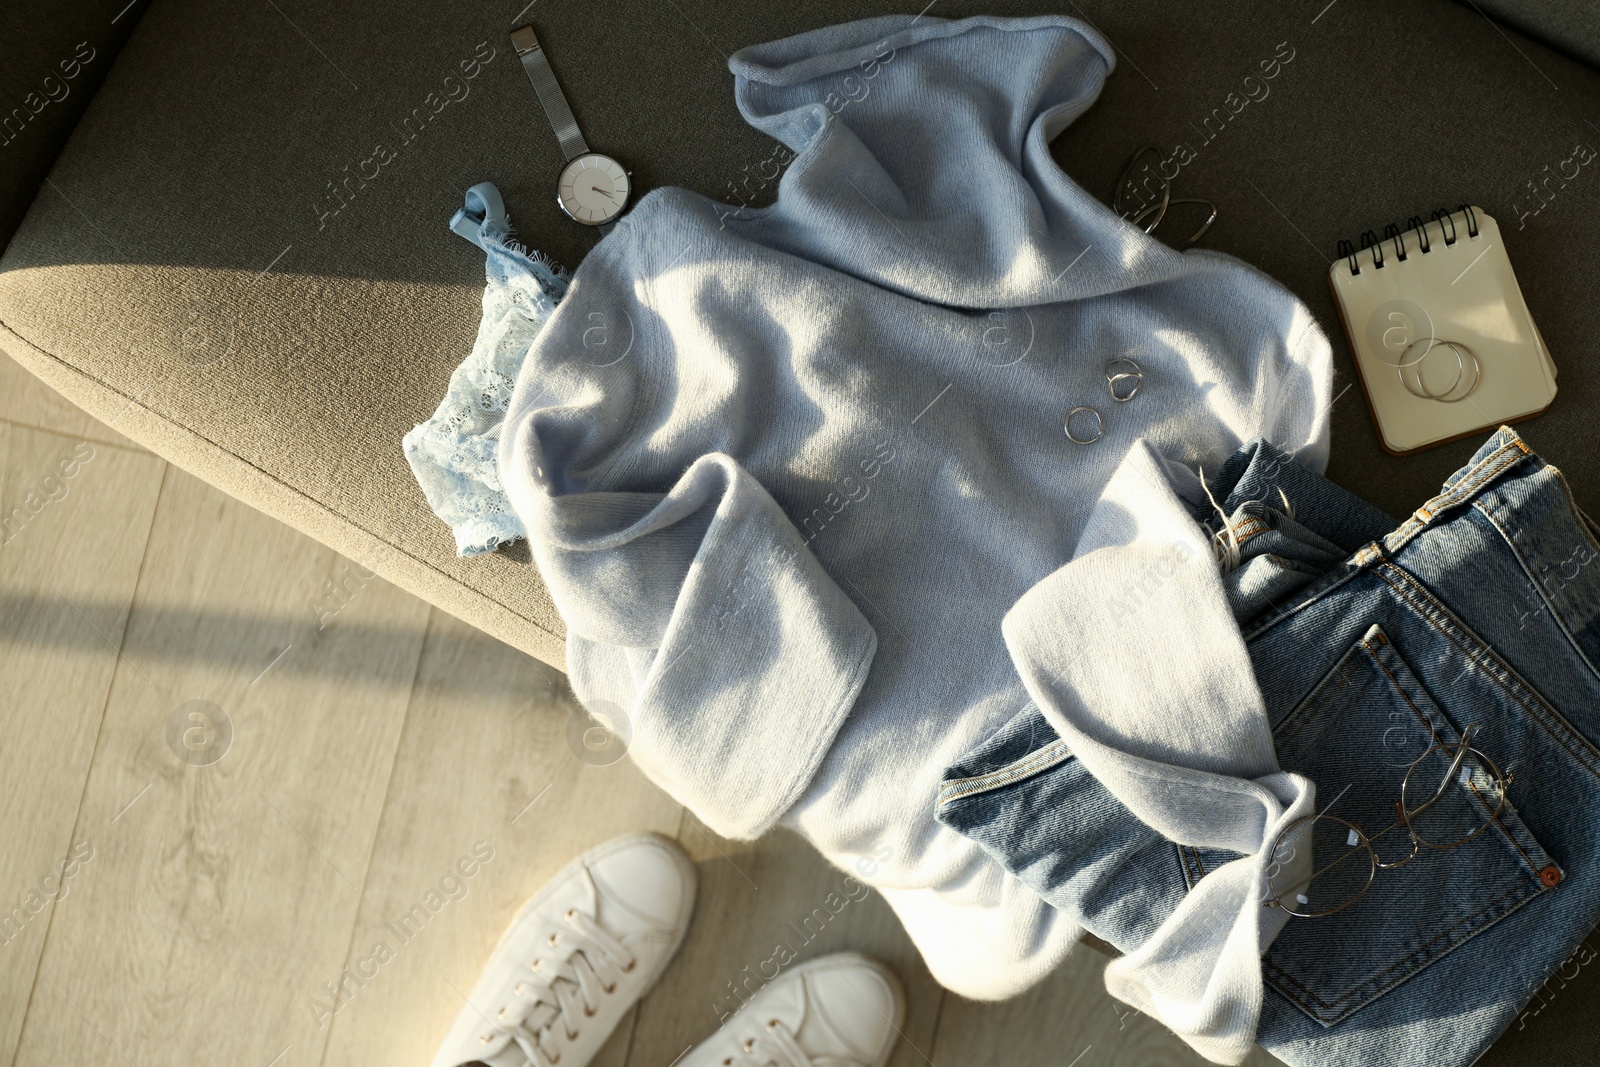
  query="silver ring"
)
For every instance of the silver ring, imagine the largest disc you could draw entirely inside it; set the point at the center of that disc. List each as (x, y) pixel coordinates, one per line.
(1420, 390)
(1403, 364)
(1099, 426)
(1205, 227)
(1159, 210)
(1136, 376)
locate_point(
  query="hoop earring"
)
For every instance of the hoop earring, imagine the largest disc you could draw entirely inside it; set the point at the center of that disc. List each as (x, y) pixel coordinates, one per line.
(1420, 389)
(1136, 376)
(1099, 426)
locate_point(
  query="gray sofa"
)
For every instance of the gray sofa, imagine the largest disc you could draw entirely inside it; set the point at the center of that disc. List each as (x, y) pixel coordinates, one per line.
(228, 238)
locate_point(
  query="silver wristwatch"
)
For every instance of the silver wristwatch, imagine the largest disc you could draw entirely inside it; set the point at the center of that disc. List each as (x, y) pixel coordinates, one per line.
(594, 188)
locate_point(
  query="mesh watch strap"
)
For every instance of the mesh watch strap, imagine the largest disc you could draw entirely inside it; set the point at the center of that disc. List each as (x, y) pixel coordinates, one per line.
(549, 92)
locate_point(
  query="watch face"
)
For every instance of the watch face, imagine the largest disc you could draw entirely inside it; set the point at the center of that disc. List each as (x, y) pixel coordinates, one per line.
(593, 190)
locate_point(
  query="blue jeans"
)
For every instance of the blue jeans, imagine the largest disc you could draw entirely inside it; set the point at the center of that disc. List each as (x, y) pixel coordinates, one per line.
(1372, 644)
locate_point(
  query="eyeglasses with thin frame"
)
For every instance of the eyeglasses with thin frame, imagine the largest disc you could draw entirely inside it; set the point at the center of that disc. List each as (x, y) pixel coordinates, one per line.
(1355, 866)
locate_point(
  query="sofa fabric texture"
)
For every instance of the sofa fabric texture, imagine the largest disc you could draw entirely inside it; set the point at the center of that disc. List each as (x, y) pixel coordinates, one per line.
(53, 58)
(1571, 26)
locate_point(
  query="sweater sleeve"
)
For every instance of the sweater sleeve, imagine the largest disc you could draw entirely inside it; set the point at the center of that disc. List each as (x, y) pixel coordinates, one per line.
(696, 615)
(1189, 750)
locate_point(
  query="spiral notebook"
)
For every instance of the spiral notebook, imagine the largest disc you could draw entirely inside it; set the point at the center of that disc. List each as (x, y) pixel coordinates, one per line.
(1442, 338)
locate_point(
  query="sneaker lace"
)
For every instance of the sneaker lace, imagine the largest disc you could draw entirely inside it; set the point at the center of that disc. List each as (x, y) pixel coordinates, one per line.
(776, 1047)
(565, 992)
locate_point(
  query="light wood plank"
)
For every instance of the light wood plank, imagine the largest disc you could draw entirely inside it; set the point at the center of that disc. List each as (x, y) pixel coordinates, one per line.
(217, 892)
(27, 401)
(1069, 1020)
(755, 899)
(485, 761)
(67, 577)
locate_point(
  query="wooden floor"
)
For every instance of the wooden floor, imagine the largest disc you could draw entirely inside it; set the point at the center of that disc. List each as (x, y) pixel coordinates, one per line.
(168, 909)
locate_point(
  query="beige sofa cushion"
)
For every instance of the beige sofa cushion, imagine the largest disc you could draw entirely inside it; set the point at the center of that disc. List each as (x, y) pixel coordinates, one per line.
(243, 259)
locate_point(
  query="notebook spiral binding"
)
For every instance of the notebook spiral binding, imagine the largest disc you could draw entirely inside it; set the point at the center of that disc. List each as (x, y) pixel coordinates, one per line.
(1393, 234)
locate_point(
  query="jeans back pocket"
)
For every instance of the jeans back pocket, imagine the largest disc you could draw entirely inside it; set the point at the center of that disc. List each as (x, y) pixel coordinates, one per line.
(1356, 735)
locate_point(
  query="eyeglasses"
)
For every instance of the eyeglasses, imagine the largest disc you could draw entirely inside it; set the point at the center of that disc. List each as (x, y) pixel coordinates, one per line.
(1441, 818)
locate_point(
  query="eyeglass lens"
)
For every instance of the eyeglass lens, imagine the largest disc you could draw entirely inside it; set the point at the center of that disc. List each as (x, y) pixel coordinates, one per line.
(1320, 866)
(1447, 801)
(1323, 863)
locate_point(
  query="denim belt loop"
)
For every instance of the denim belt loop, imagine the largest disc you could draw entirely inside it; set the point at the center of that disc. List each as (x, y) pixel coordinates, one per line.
(1503, 452)
(1368, 555)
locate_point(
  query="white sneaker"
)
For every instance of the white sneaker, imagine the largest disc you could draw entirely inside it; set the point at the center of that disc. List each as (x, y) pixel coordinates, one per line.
(838, 1011)
(576, 958)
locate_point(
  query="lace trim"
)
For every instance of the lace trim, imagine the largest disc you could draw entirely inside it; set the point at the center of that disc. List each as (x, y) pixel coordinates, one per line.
(453, 453)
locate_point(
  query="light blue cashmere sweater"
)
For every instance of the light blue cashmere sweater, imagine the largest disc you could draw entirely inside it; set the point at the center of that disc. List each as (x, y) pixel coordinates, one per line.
(786, 470)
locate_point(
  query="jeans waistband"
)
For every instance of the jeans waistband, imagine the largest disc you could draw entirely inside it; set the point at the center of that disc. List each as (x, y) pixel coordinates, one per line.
(1498, 456)
(1529, 503)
